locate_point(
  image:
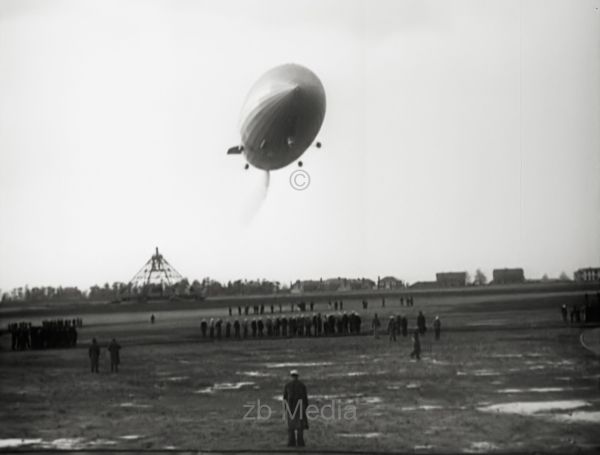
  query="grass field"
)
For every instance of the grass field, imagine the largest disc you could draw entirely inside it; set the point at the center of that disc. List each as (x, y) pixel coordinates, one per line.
(507, 375)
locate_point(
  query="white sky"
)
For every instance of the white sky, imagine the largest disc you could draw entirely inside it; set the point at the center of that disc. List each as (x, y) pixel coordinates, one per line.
(458, 135)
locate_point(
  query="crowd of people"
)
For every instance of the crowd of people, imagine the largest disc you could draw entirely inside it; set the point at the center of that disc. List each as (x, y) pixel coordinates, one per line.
(55, 333)
(302, 325)
(245, 310)
(409, 301)
(585, 312)
(310, 325)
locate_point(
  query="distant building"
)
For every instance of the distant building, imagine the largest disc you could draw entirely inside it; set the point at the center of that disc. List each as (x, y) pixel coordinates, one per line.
(332, 285)
(451, 279)
(508, 276)
(424, 285)
(589, 274)
(389, 282)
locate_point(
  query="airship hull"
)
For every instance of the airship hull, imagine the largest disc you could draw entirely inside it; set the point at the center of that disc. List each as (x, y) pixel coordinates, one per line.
(282, 116)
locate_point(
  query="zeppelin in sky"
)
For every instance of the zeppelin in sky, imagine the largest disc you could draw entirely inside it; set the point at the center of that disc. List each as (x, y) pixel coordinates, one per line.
(281, 117)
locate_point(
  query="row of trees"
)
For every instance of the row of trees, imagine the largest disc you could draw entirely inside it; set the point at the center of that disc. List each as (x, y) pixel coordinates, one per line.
(210, 287)
(120, 290)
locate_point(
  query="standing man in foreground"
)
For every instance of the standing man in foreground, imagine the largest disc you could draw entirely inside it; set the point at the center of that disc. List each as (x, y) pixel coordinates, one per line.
(295, 402)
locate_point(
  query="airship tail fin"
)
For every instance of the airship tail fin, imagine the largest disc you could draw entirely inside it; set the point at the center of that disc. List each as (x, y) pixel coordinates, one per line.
(235, 150)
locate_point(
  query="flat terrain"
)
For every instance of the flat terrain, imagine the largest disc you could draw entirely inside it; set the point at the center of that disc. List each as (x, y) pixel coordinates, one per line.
(507, 375)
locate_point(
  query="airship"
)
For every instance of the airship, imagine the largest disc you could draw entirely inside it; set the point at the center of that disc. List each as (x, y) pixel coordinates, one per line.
(281, 117)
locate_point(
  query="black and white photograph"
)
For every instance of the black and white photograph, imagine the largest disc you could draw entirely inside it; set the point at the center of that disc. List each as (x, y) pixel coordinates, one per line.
(300, 226)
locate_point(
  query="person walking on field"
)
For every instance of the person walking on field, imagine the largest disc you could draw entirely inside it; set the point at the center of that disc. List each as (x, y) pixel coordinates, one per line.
(416, 352)
(421, 323)
(94, 354)
(392, 329)
(563, 311)
(295, 402)
(375, 325)
(115, 359)
(437, 327)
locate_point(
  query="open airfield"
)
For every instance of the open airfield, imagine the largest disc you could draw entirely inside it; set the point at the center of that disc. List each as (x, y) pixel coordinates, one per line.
(507, 375)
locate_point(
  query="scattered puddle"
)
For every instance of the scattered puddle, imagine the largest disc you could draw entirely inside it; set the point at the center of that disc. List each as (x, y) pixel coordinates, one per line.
(206, 390)
(536, 390)
(100, 442)
(232, 385)
(534, 407)
(424, 447)
(331, 397)
(413, 385)
(485, 372)
(424, 407)
(65, 443)
(352, 374)
(134, 405)
(492, 322)
(371, 400)
(481, 446)
(17, 442)
(131, 437)
(297, 364)
(224, 386)
(253, 374)
(178, 378)
(359, 435)
(56, 444)
(579, 417)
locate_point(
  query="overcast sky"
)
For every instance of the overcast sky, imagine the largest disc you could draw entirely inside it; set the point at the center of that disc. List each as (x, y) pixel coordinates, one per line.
(458, 135)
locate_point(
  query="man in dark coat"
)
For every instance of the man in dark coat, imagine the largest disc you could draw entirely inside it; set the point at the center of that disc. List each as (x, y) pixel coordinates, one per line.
(295, 402)
(416, 352)
(563, 311)
(115, 359)
(421, 323)
(391, 328)
(404, 326)
(94, 354)
(437, 326)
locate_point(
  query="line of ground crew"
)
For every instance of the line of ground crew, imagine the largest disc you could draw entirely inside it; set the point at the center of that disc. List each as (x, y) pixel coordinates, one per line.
(336, 305)
(305, 325)
(283, 326)
(56, 333)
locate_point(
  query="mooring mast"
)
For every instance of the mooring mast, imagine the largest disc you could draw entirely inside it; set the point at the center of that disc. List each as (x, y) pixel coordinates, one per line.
(156, 270)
